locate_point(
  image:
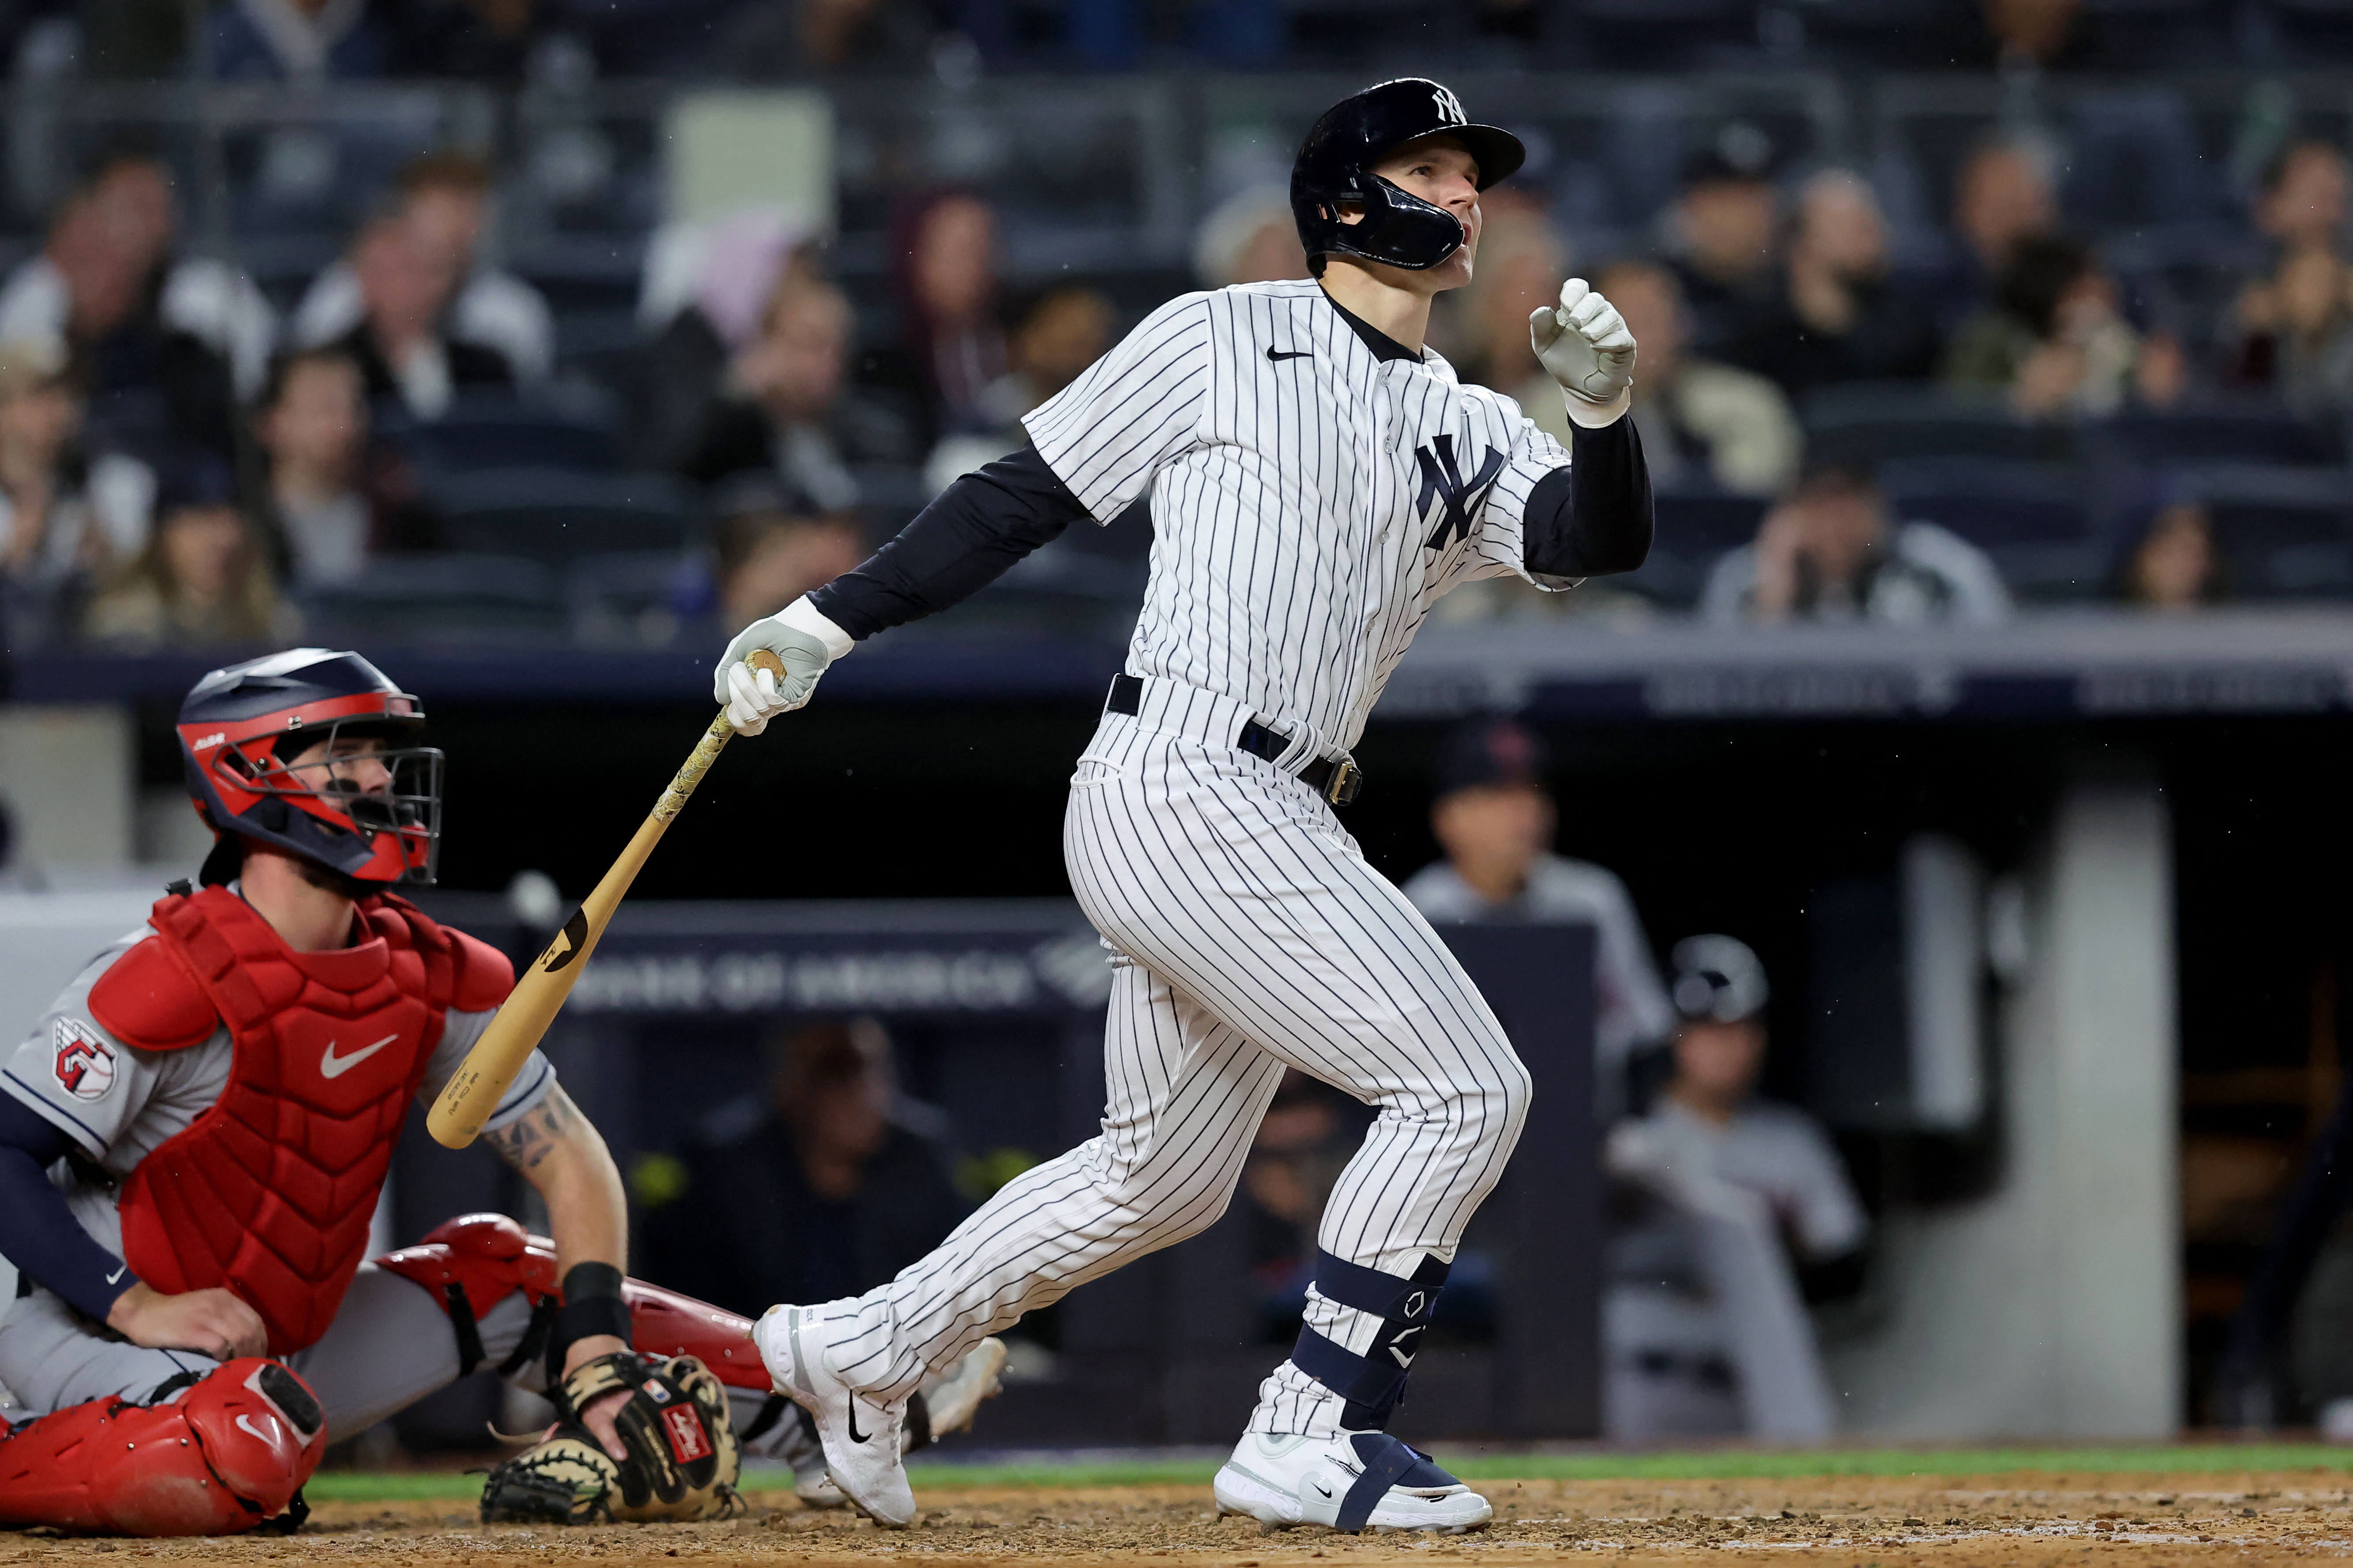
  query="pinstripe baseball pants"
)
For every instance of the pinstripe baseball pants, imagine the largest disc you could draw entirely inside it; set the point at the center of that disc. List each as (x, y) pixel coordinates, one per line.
(1248, 934)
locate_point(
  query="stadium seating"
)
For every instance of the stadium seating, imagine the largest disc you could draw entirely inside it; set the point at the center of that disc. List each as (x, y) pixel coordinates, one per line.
(1692, 533)
(2287, 532)
(2216, 432)
(440, 599)
(1876, 422)
(555, 515)
(476, 434)
(2033, 519)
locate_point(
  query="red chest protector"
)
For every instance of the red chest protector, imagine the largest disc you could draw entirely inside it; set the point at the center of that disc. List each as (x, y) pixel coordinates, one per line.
(271, 1191)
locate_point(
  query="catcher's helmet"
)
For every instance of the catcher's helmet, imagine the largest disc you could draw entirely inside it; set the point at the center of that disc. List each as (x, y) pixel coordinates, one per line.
(241, 727)
(1334, 166)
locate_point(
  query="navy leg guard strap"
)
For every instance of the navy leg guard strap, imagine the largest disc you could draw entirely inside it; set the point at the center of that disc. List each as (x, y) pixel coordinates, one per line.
(1374, 1383)
(1387, 1463)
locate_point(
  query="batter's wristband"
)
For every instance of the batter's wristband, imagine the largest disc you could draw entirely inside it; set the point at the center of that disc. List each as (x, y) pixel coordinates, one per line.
(592, 1305)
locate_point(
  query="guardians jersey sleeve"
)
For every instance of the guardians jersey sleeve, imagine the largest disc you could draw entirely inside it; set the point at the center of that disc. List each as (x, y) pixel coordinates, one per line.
(1134, 410)
(459, 1033)
(73, 1074)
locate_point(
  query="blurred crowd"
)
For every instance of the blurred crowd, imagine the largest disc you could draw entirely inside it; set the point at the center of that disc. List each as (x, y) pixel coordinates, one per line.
(1842, 423)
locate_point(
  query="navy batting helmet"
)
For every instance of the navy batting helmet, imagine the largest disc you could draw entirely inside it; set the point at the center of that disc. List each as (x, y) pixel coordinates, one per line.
(1334, 167)
(242, 730)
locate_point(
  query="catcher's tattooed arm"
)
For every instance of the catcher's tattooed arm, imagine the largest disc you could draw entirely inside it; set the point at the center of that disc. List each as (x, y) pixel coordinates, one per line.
(559, 1151)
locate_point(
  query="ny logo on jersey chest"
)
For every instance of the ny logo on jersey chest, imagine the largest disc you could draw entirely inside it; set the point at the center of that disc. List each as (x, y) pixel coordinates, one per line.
(1441, 480)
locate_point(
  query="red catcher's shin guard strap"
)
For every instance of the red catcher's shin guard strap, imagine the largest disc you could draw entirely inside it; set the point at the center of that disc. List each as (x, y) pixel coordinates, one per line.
(226, 1456)
(477, 1260)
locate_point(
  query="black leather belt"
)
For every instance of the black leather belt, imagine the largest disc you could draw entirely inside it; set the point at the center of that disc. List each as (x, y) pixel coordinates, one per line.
(1337, 782)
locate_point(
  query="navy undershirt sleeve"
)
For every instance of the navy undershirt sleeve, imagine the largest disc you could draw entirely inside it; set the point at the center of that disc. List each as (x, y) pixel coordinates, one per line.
(1592, 517)
(38, 1233)
(969, 536)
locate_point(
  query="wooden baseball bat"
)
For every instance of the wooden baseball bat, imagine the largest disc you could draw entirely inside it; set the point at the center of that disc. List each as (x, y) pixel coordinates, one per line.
(481, 1080)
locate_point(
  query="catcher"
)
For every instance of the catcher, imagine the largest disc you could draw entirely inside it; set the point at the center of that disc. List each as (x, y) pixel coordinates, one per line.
(191, 1145)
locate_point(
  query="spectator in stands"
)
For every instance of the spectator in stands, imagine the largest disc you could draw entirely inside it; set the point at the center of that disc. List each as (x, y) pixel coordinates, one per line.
(1730, 1206)
(333, 497)
(946, 272)
(705, 299)
(1248, 238)
(1521, 264)
(160, 345)
(1054, 338)
(2303, 204)
(2005, 194)
(302, 40)
(66, 520)
(2169, 560)
(2055, 342)
(1838, 316)
(2031, 36)
(408, 274)
(786, 408)
(1831, 552)
(771, 552)
(445, 200)
(2296, 333)
(1720, 232)
(203, 578)
(1704, 424)
(1495, 818)
(827, 1183)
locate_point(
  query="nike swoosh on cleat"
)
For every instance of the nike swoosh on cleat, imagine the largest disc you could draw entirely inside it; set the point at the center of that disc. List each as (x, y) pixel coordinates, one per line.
(333, 1066)
(1277, 357)
(855, 1435)
(1319, 1486)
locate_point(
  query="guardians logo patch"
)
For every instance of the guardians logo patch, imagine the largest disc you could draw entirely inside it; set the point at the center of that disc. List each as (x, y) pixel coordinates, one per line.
(84, 1063)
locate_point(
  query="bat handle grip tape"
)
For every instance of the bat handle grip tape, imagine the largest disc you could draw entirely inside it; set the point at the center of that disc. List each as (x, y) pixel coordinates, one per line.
(714, 738)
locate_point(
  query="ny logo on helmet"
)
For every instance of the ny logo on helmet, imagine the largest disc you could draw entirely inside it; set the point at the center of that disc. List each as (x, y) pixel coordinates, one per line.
(1449, 108)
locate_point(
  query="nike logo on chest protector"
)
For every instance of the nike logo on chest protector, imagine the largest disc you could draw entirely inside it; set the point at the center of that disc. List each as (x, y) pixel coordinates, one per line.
(332, 1065)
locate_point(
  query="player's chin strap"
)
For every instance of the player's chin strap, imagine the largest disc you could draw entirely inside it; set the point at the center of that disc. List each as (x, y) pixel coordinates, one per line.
(1374, 1383)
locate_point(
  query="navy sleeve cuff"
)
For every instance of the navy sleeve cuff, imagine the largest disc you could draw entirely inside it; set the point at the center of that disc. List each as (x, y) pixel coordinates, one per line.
(1594, 517)
(38, 1233)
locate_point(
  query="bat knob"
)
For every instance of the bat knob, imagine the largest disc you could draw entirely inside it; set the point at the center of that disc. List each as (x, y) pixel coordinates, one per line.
(765, 658)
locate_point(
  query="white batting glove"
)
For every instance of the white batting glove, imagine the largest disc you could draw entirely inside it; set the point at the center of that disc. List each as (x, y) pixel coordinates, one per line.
(804, 641)
(1586, 346)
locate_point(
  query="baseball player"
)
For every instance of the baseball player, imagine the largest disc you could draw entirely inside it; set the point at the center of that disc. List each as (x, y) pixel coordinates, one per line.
(192, 1144)
(1317, 479)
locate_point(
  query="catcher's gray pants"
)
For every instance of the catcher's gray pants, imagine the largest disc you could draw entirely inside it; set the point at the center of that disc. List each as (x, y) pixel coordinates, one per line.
(1249, 936)
(390, 1345)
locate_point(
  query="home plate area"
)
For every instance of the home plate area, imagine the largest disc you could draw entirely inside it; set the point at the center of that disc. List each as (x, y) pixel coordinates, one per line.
(1045, 1512)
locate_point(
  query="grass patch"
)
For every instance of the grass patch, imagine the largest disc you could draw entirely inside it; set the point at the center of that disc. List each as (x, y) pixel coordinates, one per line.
(1731, 1464)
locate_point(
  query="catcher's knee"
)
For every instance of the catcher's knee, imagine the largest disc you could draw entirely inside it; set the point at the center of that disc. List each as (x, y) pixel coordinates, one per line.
(229, 1453)
(472, 1263)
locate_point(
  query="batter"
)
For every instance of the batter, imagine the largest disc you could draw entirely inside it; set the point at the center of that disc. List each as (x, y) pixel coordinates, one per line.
(1317, 479)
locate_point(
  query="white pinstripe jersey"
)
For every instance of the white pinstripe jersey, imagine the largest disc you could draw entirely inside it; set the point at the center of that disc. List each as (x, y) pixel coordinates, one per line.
(1307, 509)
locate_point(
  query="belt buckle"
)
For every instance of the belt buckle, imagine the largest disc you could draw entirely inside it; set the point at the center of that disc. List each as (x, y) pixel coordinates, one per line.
(1347, 780)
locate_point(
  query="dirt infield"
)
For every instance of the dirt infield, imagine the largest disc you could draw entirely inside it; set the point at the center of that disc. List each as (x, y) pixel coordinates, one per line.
(2024, 1519)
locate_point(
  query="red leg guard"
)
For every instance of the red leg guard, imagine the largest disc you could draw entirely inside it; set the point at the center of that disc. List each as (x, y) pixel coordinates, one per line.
(477, 1261)
(229, 1453)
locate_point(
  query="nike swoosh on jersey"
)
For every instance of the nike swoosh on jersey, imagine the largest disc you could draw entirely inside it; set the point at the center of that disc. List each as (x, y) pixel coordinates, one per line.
(1278, 357)
(333, 1066)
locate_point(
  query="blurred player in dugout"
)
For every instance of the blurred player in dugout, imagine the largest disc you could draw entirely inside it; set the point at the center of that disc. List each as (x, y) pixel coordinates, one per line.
(1730, 1211)
(1495, 820)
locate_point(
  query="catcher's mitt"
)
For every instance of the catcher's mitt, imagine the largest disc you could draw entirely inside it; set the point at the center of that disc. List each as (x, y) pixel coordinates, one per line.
(682, 1461)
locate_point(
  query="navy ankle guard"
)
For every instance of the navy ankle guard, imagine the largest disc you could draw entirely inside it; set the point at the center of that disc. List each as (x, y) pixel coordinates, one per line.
(1373, 1383)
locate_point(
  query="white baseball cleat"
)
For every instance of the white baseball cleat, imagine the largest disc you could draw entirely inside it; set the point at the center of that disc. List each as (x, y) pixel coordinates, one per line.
(861, 1434)
(1354, 1481)
(955, 1399)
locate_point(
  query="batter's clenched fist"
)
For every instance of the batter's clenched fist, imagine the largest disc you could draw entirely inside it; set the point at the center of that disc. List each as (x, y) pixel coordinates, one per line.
(1584, 343)
(803, 640)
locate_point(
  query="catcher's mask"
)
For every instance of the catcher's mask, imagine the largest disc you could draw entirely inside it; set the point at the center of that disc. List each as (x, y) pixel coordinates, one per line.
(370, 813)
